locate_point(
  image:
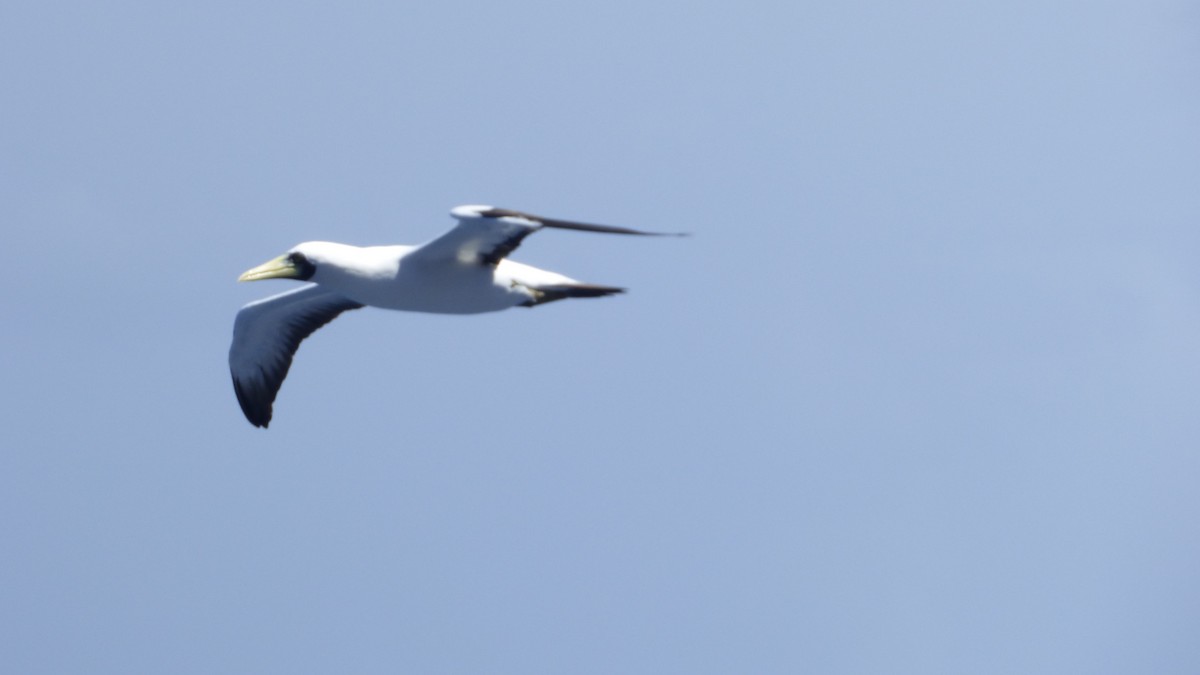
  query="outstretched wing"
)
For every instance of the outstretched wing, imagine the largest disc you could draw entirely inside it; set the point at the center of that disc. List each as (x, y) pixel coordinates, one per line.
(485, 235)
(266, 334)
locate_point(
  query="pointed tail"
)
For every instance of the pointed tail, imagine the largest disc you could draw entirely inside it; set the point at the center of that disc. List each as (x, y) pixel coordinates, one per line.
(544, 294)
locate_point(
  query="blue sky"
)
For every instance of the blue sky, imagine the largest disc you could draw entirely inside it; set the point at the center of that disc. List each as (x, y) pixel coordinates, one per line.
(919, 396)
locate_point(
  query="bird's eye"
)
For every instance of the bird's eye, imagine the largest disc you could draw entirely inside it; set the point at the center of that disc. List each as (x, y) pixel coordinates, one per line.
(304, 267)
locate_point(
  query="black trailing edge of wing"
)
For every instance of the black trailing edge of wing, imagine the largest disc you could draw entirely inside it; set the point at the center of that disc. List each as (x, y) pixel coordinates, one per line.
(257, 396)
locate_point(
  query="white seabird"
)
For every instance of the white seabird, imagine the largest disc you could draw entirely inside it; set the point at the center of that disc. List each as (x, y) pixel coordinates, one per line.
(464, 271)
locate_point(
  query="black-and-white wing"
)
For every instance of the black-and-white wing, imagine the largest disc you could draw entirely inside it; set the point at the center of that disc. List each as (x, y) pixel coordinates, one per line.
(266, 334)
(485, 235)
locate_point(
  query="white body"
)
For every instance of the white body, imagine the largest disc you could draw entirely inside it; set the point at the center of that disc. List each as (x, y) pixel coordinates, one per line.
(464, 271)
(387, 277)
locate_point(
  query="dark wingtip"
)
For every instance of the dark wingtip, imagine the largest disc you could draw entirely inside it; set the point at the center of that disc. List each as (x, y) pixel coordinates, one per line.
(256, 412)
(496, 212)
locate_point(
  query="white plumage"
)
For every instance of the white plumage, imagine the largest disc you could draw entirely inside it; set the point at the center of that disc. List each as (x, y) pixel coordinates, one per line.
(464, 271)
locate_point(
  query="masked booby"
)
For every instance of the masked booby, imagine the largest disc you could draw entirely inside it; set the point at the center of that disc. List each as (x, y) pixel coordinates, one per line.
(464, 271)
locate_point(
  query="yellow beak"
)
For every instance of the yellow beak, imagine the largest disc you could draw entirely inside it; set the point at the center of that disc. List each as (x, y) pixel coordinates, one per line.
(279, 268)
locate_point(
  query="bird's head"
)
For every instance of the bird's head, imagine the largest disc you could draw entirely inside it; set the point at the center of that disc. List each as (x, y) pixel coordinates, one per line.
(299, 263)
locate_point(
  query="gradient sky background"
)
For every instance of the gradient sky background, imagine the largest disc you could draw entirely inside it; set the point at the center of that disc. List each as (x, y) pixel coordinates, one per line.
(920, 395)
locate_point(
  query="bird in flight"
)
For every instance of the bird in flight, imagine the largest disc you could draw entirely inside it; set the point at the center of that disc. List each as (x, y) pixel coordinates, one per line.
(464, 271)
